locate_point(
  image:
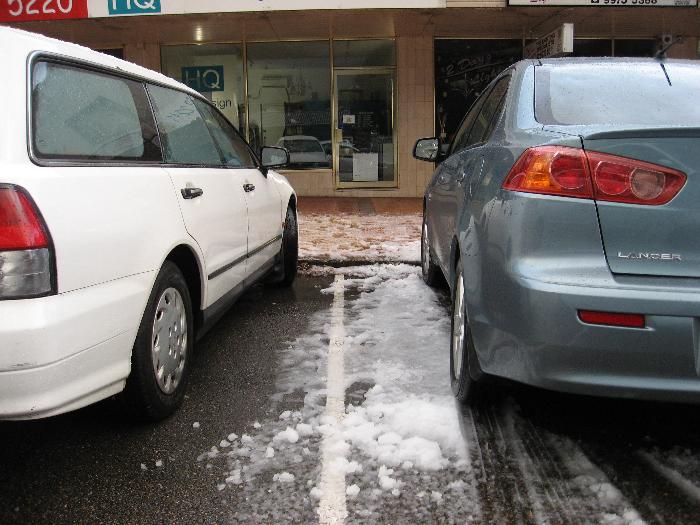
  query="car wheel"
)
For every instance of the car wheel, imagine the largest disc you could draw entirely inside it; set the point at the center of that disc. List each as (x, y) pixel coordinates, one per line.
(162, 352)
(466, 376)
(430, 270)
(289, 254)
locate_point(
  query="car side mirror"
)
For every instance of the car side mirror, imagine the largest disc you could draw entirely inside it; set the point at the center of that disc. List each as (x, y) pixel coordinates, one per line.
(273, 157)
(427, 149)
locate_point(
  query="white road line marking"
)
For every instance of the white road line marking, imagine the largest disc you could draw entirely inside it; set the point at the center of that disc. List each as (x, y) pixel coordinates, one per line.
(332, 507)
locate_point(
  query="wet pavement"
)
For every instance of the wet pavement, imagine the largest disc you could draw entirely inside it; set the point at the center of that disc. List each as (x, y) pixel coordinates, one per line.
(258, 441)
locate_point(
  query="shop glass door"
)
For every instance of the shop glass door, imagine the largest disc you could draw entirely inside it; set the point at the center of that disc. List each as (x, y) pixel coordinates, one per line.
(364, 141)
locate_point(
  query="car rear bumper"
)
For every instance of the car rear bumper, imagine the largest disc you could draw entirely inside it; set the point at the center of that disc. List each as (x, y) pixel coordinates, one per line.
(69, 384)
(540, 340)
(62, 352)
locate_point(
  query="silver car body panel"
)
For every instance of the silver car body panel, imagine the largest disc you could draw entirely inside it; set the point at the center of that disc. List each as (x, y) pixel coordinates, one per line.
(532, 261)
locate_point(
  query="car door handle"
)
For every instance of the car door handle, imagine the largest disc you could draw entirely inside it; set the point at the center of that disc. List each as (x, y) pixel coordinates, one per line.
(248, 187)
(191, 193)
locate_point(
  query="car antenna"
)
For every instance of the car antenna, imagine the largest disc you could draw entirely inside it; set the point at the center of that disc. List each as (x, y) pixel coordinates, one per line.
(661, 56)
(661, 53)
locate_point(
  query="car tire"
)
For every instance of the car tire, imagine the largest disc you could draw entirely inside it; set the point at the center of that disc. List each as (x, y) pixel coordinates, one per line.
(289, 253)
(158, 380)
(466, 377)
(430, 270)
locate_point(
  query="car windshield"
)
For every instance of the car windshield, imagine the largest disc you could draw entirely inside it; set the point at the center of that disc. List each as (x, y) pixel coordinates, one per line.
(301, 145)
(634, 93)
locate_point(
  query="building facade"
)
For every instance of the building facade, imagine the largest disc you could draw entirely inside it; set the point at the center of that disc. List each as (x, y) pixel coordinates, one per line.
(349, 86)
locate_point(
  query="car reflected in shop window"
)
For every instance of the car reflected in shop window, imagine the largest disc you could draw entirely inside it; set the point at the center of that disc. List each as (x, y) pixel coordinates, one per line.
(305, 151)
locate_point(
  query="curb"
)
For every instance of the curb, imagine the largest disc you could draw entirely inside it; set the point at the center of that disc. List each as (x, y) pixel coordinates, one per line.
(344, 263)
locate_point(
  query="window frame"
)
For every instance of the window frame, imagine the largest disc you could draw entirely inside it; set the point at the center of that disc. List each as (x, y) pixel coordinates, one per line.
(480, 102)
(236, 133)
(488, 130)
(81, 160)
(169, 164)
(87, 65)
(474, 109)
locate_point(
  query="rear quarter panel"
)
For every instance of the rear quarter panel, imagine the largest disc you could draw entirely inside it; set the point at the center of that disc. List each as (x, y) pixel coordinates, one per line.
(503, 234)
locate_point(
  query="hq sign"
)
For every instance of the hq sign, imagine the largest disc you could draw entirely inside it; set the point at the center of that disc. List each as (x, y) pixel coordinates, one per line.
(204, 79)
(133, 7)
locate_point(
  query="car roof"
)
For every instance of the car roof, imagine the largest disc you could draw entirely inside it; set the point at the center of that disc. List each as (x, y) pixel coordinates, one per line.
(299, 137)
(611, 60)
(26, 43)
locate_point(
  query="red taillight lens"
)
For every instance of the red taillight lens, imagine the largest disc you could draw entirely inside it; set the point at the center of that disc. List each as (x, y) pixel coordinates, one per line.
(571, 172)
(619, 179)
(551, 170)
(612, 319)
(21, 228)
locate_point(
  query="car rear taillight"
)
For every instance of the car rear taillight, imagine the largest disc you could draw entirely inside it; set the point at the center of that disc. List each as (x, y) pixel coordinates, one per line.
(573, 172)
(25, 247)
(619, 179)
(551, 170)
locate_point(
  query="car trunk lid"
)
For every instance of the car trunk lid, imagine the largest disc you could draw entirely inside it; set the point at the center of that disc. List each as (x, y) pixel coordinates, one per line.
(659, 240)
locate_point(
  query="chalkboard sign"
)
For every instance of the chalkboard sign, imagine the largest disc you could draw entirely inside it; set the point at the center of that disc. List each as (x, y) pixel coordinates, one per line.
(463, 69)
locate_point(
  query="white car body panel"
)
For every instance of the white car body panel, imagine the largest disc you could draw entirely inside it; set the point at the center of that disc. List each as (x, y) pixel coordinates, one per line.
(112, 228)
(218, 220)
(265, 219)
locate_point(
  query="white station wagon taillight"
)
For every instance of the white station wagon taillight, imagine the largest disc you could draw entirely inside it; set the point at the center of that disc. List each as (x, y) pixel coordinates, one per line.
(25, 247)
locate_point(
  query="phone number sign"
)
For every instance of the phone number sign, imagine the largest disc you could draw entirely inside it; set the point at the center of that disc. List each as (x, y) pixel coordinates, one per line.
(27, 10)
(607, 3)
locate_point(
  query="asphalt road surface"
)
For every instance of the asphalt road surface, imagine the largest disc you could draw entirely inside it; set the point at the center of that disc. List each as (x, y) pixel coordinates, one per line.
(329, 403)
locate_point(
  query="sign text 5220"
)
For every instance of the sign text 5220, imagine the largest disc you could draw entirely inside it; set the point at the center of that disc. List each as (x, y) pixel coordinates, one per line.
(26, 10)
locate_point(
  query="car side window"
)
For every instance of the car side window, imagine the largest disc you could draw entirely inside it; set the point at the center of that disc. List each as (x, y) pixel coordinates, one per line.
(482, 124)
(461, 137)
(184, 134)
(234, 150)
(82, 114)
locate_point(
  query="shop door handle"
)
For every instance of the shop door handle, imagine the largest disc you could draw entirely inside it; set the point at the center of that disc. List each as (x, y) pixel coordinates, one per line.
(191, 193)
(248, 187)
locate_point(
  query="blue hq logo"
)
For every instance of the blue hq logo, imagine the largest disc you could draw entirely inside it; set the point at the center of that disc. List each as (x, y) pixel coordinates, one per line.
(133, 7)
(204, 79)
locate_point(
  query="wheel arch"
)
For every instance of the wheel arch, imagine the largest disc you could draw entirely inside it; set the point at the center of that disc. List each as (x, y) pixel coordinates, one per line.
(185, 258)
(455, 256)
(292, 203)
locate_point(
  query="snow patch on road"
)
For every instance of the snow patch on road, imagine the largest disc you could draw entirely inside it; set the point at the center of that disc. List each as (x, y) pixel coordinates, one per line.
(399, 433)
(608, 503)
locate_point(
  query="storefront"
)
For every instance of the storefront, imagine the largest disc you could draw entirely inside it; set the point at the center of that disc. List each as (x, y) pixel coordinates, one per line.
(348, 90)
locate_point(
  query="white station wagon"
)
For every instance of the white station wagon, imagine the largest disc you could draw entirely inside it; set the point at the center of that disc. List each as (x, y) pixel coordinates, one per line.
(132, 214)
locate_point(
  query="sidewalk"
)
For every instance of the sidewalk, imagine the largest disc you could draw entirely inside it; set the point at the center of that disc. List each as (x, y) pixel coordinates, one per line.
(361, 206)
(341, 231)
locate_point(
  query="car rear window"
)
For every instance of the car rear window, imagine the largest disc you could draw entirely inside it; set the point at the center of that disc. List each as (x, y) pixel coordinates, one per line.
(80, 114)
(634, 93)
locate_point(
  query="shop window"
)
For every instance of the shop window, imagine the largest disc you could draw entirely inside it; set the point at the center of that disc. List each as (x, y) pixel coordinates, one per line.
(463, 69)
(635, 47)
(366, 134)
(289, 100)
(363, 53)
(116, 52)
(215, 70)
(592, 47)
